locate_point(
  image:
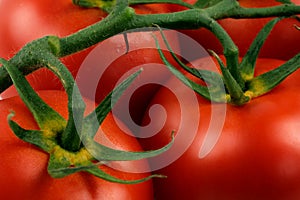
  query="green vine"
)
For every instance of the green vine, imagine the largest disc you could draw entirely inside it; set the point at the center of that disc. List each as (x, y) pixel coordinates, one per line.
(123, 18)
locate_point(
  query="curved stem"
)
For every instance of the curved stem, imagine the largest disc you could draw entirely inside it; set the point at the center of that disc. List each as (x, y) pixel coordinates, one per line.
(97, 32)
(239, 12)
(126, 19)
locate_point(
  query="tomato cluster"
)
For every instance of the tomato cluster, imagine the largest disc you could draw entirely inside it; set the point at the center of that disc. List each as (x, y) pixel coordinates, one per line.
(32, 19)
(257, 152)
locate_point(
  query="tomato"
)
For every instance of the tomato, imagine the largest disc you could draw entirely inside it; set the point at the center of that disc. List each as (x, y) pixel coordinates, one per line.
(31, 19)
(23, 167)
(281, 44)
(256, 156)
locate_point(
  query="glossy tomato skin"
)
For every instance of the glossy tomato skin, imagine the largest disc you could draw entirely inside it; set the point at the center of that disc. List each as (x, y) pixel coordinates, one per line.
(256, 157)
(31, 19)
(281, 44)
(23, 167)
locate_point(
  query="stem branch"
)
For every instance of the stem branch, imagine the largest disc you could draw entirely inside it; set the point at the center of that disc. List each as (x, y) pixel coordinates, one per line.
(124, 18)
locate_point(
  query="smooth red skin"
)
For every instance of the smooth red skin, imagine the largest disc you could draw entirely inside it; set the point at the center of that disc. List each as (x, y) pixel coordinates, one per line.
(281, 44)
(62, 18)
(256, 157)
(23, 167)
(31, 19)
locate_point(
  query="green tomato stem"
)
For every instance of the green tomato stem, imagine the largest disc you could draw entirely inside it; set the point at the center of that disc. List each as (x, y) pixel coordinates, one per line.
(284, 10)
(126, 19)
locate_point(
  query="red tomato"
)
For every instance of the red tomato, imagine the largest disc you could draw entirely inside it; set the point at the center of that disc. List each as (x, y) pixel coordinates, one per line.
(257, 155)
(281, 44)
(23, 167)
(31, 19)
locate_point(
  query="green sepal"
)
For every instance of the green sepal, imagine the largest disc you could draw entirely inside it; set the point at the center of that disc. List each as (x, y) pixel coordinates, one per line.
(63, 162)
(269, 80)
(60, 165)
(35, 137)
(103, 108)
(213, 80)
(206, 75)
(236, 93)
(103, 153)
(45, 116)
(247, 65)
(213, 91)
(93, 120)
(92, 168)
(101, 174)
(200, 89)
(59, 169)
(76, 106)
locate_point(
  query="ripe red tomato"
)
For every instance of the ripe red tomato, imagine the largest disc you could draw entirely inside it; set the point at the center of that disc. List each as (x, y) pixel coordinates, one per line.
(23, 167)
(257, 155)
(281, 44)
(31, 19)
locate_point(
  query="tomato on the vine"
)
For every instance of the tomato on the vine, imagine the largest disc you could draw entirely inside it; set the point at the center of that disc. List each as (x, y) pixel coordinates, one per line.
(23, 167)
(31, 19)
(257, 155)
(281, 44)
